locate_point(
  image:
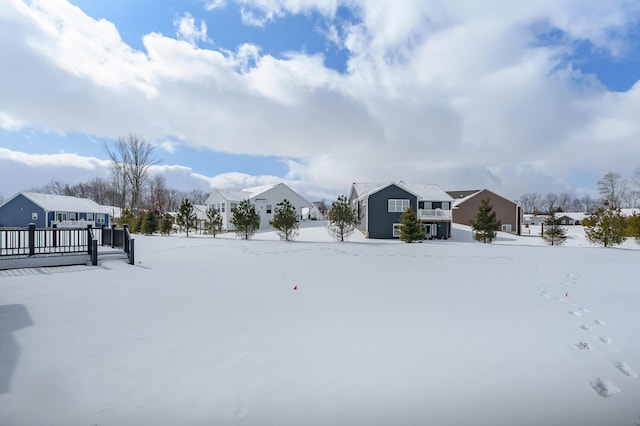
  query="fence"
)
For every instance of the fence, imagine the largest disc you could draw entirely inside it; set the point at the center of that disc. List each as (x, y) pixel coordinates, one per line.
(47, 241)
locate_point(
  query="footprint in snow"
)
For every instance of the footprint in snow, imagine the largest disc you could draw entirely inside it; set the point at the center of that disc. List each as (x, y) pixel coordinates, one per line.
(584, 346)
(585, 310)
(575, 313)
(606, 340)
(604, 388)
(587, 327)
(600, 322)
(626, 369)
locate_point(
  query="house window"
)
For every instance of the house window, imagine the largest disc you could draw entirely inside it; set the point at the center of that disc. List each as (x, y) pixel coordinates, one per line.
(396, 230)
(90, 217)
(398, 205)
(446, 205)
(73, 216)
(506, 227)
(100, 219)
(34, 216)
(223, 205)
(61, 217)
(233, 207)
(268, 208)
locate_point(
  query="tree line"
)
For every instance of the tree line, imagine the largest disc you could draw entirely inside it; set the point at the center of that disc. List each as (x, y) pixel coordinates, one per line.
(617, 190)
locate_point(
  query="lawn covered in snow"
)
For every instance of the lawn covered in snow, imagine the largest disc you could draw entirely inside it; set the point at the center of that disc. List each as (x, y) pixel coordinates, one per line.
(210, 331)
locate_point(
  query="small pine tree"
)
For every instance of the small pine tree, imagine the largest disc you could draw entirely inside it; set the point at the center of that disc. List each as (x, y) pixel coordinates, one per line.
(410, 227)
(127, 218)
(186, 218)
(214, 221)
(607, 226)
(166, 225)
(285, 220)
(554, 231)
(633, 227)
(485, 224)
(343, 219)
(137, 225)
(150, 223)
(246, 219)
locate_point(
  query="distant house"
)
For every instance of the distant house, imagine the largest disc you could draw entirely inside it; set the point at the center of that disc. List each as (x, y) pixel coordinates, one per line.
(571, 218)
(381, 207)
(466, 206)
(46, 210)
(264, 198)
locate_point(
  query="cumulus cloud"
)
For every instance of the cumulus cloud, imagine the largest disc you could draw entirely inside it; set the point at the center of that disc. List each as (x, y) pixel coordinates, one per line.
(458, 93)
(187, 30)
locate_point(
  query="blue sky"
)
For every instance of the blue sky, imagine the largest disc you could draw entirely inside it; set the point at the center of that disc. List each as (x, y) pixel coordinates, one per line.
(319, 94)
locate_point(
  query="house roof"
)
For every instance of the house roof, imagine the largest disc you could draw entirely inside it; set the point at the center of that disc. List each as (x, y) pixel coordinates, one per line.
(252, 192)
(572, 215)
(428, 192)
(462, 196)
(63, 203)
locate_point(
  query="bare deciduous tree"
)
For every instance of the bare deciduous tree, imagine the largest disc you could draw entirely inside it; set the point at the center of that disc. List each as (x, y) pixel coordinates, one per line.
(131, 160)
(530, 202)
(612, 187)
(550, 202)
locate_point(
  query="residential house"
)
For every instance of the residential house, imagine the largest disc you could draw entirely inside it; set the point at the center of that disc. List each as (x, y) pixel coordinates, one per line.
(46, 210)
(264, 198)
(571, 218)
(466, 205)
(381, 207)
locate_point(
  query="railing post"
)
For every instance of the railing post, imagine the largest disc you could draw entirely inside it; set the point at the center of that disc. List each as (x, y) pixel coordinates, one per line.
(125, 238)
(132, 260)
(55, 235)
(113, 231)
(94, 254)
(32, 239)
(89, 239)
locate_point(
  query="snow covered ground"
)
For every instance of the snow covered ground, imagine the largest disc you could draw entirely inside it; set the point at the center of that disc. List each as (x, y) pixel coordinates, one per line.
(205, 331)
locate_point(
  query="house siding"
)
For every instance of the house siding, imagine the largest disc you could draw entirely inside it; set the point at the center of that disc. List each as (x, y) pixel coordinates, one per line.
(380, 220)
(18, 213)
(507, 212)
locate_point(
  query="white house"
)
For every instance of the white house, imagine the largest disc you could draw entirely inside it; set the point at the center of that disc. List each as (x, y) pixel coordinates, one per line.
(264, 198)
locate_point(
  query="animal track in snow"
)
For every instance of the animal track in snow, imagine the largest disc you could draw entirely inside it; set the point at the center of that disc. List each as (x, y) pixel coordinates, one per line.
(604, 388)
(600, 322)
(606, 340)
(626, 369)
(585, 310)
(575, 313)
(587, 327)
(585, 346)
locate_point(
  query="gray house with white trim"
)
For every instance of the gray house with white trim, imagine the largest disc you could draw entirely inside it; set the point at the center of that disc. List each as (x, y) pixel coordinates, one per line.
(46, 210)
(381, 207)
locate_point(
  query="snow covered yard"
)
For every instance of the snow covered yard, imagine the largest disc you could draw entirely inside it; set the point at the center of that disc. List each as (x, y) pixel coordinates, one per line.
(207, 331)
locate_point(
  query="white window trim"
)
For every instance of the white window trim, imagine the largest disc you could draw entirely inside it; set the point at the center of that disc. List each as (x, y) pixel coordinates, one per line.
(396, 230)
(506, 227)
(398, 205)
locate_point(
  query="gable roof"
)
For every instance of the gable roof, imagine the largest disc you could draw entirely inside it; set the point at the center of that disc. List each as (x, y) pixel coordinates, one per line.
(463, 196)
(253, 192)
(63, 203)
(428, 192)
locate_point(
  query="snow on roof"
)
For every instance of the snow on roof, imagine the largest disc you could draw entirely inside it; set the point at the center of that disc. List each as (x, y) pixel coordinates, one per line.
(257, 190)
(234, 195)
(572, 215)
(65, 203)
(429, 192)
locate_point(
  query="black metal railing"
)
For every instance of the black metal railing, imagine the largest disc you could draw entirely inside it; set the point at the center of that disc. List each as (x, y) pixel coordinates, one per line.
(119, 238)
(31, 241)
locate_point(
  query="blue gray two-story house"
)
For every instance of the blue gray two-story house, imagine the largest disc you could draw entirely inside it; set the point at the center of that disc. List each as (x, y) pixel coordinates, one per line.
(381, 207)
(46, 210)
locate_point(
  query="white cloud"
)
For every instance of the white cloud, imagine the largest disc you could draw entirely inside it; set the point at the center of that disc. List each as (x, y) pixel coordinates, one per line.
(187, 30)
(459, 93)
(215, 4)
